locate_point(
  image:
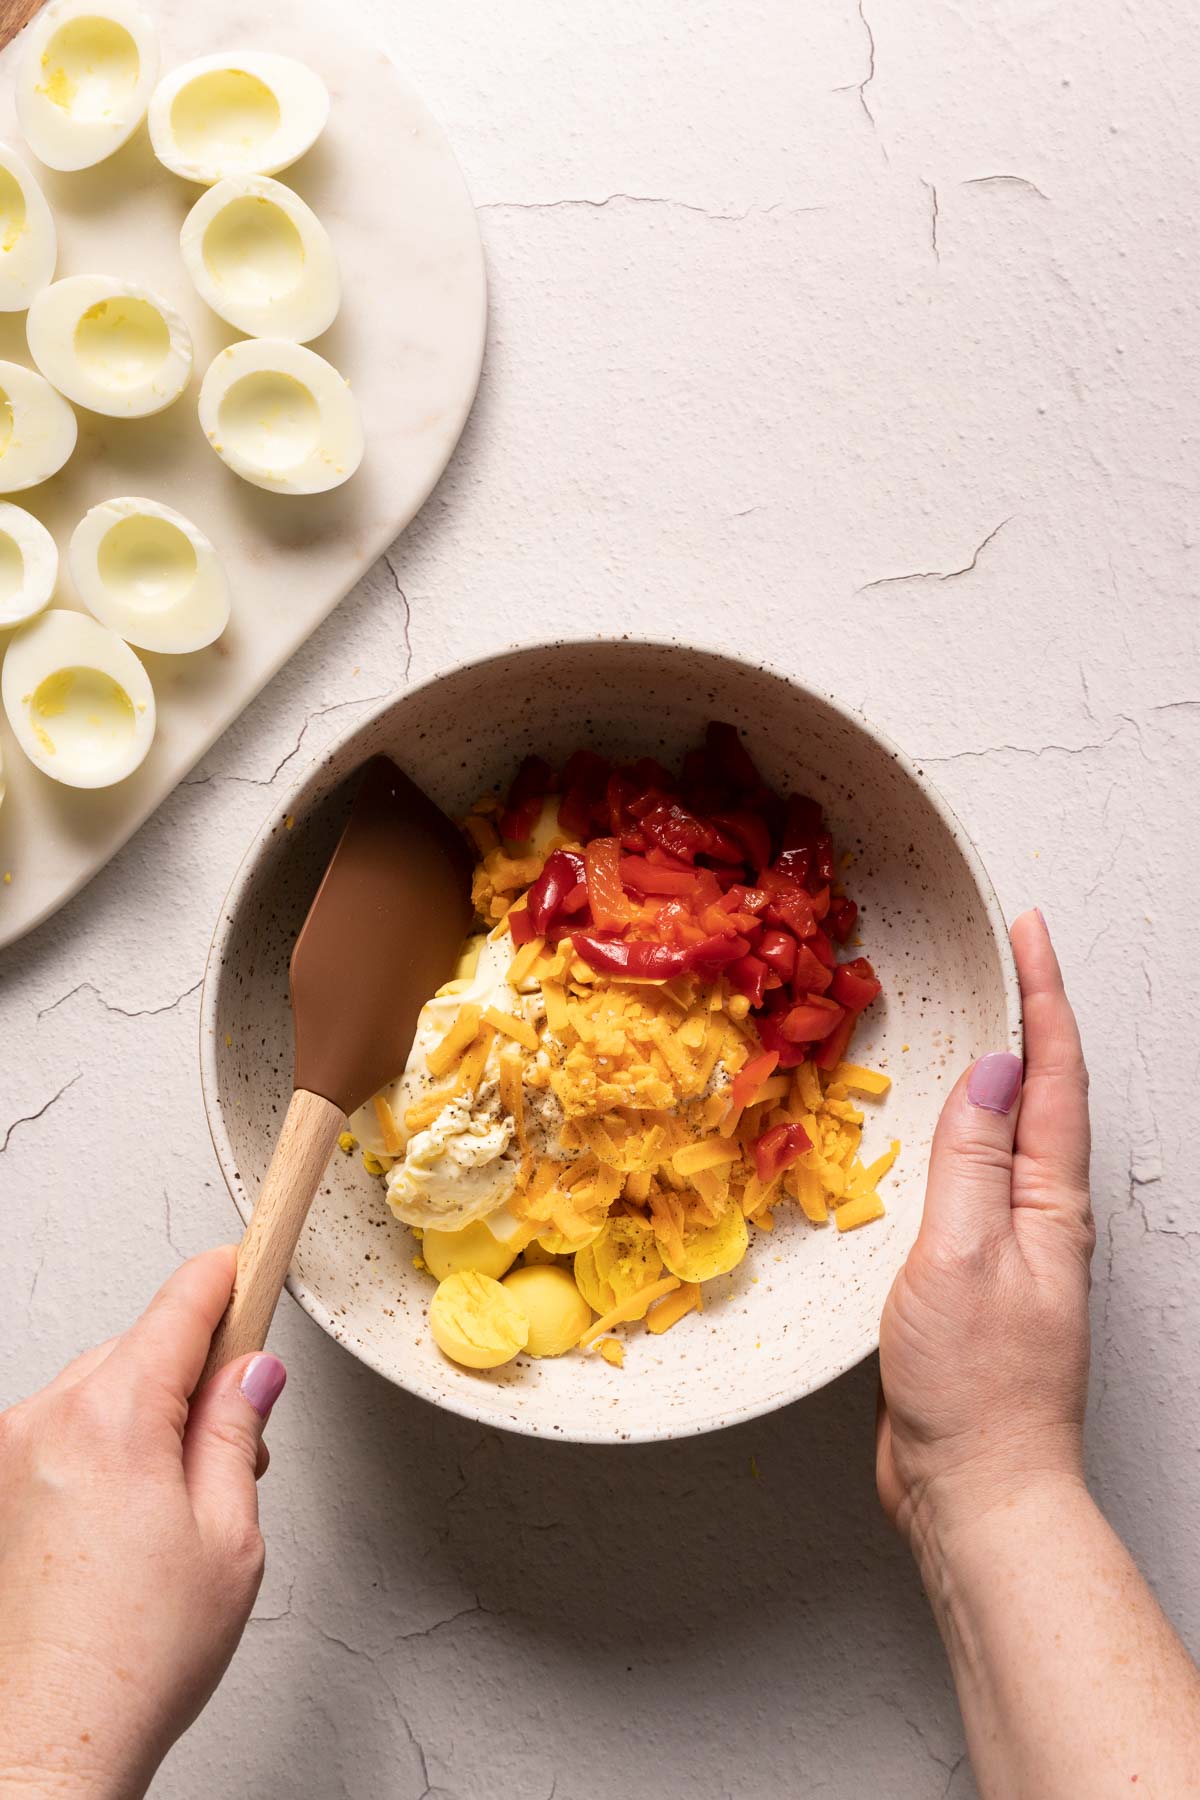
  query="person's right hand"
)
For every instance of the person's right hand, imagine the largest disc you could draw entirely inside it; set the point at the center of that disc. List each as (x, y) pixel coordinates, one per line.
(984, 1340)
(130, 1552)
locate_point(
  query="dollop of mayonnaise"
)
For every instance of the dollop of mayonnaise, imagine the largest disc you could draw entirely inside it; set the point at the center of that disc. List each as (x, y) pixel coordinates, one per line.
(456, 1170)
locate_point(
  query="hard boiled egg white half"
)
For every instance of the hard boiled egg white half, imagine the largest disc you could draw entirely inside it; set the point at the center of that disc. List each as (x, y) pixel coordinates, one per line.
(149, 574)
(37, 429)
(85, 79)
(28, 564)
(281, 417)
(79, 701)
(109, 345)
(28, 240)
(262, 259)
(248, 114)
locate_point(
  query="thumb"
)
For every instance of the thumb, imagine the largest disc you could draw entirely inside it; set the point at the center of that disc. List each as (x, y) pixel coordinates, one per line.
(969, 1192)
(222, 1446)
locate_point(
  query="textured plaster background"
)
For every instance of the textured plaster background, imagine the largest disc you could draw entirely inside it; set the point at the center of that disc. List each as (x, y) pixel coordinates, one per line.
(862, 338)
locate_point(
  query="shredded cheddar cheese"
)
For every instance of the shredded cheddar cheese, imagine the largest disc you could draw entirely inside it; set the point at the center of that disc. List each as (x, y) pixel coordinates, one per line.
(668, 1311)
(520, 1030)
(443, 1056)
(629, 1309)
(393, 1142)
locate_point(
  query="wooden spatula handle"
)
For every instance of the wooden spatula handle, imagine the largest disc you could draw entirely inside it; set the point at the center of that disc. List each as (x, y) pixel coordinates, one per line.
(310, 1130)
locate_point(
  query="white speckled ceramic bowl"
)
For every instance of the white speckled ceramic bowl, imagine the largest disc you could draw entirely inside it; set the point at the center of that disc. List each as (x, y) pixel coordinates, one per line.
(805, 1304)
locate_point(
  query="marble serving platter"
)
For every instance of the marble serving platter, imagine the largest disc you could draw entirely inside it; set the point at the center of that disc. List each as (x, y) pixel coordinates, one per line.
(409, 337)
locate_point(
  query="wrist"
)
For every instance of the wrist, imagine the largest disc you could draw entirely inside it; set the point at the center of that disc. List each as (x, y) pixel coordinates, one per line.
(953, 1510)
(969, 1555)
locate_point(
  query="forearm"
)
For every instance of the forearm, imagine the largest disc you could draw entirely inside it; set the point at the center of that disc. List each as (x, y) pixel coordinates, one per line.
(72, 1725)
(1072, 1683)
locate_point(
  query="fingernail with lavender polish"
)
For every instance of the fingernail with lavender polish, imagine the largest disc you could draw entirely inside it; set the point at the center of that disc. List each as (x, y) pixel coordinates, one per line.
(995, 1082)
(263, 1382)
(1041, 915)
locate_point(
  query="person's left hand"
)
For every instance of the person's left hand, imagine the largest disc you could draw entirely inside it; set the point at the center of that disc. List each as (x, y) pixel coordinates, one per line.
(130, 1552)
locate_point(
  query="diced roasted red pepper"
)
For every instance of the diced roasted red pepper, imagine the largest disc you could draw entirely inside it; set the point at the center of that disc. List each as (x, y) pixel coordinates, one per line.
(744, 899)
(728, 759)
(521, 927)
(811, 1019)
(810, 975)
(629, 956)
(771, 1037)
(717, 922)
(822, 948)
(792, 907)
(530, 787)
(855, 984)
(778, 949)
(610, 908)
(677, 923)
(648, 772)
(803, 820)
(751, 1076)
(748, 975)
(684, 835)
(642, 876)
(777, 1149)
(584, 781)
(795, 864)
(620, 796)
(583, 768)
(843, 915)
(561, 872)
(822, 864)
(749, 829)
(712, 954)
(832, 1051)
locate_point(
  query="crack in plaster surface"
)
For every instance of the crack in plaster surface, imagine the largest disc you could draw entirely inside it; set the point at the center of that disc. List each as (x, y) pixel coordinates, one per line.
(690, 206)
(31, 1118)
(919, 1733)
(933, 218)
(860, 87)
(1034, 750)
(167, 1224)
(940, 574)
(322, 712)
(407, 625)
(1004, 180)
(145, 1012)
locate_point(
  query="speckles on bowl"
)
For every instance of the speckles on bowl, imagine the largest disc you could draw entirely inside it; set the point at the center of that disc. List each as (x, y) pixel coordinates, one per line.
(930, 923)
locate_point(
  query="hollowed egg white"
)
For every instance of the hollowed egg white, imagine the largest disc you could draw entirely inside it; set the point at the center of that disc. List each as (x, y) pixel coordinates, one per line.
(28, 240)
(84, 79)
(240, 114)
(149, 574)
(109, 345)
(79, 702)
(37, 429)
(262, 259)
(28, 564)
(281, 417)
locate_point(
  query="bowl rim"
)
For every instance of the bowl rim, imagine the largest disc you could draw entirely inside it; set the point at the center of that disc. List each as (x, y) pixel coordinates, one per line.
(464, 1404)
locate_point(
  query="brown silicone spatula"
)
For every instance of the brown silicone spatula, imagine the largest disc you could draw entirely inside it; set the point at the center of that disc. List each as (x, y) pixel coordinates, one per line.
(382, 934)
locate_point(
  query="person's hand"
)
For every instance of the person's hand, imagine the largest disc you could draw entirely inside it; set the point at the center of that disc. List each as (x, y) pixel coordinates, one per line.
(984, 1341)
(130, 1552)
